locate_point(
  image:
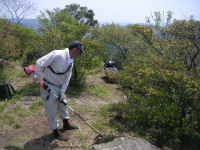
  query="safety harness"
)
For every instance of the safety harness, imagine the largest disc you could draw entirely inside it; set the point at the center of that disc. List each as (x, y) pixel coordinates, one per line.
(60, 73)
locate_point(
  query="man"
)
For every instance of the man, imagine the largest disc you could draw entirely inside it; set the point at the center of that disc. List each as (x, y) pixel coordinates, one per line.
(55, 70)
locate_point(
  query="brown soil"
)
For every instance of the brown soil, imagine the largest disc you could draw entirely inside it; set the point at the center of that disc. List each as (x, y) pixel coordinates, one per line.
(36, 135)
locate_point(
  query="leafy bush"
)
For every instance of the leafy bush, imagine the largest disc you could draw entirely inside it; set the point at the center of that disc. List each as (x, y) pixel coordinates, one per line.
(31, 53)
(8, 42)
(162, 95)
(18, 42)
(162, 104)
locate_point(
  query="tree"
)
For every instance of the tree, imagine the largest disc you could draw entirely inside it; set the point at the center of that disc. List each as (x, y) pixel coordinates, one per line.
(17, 9)
(186, 35)
(58, 30)
(84, 15)
(176, 41)
(119, 41)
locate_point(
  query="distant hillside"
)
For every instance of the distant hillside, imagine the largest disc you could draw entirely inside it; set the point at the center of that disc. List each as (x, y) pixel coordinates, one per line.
(30, 23)
(121, 23)
(33, 23)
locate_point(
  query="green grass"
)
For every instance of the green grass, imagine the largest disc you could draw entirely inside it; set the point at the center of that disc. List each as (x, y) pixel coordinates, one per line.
(3, 105)
(101, 121)
(83, 141)
(3, 75)
(101, 118)
(17, 126)
(12, 113)
(6, 119)
(27, 89)
(36, 106)
(19, 111)
(12, 147)
(98, 90)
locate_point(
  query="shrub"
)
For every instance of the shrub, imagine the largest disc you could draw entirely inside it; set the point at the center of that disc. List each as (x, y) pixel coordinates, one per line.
(162, 104)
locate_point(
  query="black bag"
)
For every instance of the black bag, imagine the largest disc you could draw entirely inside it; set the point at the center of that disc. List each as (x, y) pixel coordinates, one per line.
(6, 91)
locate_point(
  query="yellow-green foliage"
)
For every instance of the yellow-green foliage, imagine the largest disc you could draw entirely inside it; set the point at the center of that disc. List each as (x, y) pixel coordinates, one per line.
(177, 42)
(162, 103)
(162, 92)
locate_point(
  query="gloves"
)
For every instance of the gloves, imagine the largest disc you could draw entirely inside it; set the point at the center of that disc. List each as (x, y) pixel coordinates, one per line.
(61, 96)
(38, 81)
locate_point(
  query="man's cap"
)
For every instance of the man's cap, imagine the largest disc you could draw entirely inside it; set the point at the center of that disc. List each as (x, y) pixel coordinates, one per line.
(77, 44)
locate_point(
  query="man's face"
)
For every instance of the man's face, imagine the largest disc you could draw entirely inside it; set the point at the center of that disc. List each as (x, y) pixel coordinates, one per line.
(76, 52)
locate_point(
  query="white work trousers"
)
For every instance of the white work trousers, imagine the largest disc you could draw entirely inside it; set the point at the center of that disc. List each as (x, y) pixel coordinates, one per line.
(52, 106)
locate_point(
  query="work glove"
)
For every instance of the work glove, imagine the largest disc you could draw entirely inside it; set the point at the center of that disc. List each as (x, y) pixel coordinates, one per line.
(61, 96)
(37, 80)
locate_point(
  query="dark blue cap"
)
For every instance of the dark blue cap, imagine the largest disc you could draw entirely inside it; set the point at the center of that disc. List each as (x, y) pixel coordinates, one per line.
(77, 44)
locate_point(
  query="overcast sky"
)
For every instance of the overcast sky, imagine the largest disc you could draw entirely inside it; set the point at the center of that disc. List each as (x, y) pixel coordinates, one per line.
(124, 11)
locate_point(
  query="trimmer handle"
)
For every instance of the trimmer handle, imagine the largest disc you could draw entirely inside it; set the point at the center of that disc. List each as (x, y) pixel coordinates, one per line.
(45, 86)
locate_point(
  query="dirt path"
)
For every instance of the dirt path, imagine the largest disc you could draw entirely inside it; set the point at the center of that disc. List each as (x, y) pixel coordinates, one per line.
(36, 135)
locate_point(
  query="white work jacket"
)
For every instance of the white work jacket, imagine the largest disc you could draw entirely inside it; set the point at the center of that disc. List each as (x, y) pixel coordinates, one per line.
(59, 61)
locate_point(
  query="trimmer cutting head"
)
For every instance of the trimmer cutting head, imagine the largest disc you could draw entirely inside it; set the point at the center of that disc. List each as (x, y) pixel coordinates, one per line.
(98, 139)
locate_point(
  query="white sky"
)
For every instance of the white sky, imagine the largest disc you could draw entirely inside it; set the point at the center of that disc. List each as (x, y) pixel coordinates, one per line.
(127, 11)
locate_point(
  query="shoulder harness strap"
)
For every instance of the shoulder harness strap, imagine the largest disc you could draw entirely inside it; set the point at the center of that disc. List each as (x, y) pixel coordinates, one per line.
(60, 73)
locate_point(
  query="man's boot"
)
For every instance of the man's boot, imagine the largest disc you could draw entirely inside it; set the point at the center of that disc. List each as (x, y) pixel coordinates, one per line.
(59, 136)
(68, 126)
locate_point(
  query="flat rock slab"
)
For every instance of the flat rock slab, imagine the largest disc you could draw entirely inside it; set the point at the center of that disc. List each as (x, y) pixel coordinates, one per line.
(126, 143)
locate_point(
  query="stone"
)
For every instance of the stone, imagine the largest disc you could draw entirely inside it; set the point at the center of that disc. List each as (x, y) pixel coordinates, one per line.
(126, 143)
